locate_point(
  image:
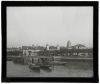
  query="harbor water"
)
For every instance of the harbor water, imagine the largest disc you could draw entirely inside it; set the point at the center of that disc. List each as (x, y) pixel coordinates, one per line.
(71, 69)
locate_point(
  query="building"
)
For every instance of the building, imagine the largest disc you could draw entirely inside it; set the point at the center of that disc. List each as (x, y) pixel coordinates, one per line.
(13, 49)
(69, 45)
(52, 48)
(47, 47)
(58, 47)
(31, 50)
(79, 46)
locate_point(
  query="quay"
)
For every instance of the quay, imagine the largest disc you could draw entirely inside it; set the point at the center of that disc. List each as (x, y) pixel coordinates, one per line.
(36, 63)
(56, 59)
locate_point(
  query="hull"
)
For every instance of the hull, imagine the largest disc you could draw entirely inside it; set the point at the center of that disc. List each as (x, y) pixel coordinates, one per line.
(45, 66)
(47, 69)
(60, 63)
(34, 68)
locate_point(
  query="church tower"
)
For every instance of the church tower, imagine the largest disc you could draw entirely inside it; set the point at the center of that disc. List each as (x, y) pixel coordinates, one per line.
(68, 44)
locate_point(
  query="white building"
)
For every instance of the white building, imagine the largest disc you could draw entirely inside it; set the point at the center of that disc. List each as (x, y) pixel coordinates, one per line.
(51, 48)
(29, 51)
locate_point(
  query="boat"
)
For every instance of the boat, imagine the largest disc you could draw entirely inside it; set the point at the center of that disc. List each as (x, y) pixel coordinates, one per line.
(34, 68)
(59, 63)
(47, 69)
(38, 62)
(44, 62)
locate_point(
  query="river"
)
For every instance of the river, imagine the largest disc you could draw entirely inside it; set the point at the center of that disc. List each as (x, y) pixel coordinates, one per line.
(81, 69)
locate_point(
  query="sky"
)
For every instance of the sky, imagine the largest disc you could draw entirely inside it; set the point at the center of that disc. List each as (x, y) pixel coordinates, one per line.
(49, 25)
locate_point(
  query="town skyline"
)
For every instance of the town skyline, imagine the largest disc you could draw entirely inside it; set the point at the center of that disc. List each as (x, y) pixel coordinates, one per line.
(37, 45)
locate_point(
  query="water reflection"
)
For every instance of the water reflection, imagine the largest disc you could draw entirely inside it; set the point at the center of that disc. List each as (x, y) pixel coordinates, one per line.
(69, 70)
(35, 70)
(46, 69)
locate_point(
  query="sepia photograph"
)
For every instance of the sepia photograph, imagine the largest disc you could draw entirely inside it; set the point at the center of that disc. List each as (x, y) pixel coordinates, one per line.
(49, 41)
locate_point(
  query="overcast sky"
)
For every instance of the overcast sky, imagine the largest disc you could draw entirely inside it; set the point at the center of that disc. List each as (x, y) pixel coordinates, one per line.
(49, 25)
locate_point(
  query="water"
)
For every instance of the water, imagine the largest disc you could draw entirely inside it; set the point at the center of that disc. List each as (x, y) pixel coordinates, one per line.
(72, 69)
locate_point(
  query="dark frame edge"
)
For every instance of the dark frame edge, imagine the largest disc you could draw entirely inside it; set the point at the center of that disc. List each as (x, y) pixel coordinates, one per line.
(3, 41)
(95, 79)
(95, 40)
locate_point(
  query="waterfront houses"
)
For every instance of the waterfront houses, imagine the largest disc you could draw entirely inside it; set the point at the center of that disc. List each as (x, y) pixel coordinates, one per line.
(27, 52)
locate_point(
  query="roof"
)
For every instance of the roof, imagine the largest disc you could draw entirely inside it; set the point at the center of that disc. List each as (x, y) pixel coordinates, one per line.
(79, 45)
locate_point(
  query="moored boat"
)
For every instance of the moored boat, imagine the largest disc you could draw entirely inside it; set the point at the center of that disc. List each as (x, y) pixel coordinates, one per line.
(47, 69)
(38, 62)
(34, 67)
(59, 63)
